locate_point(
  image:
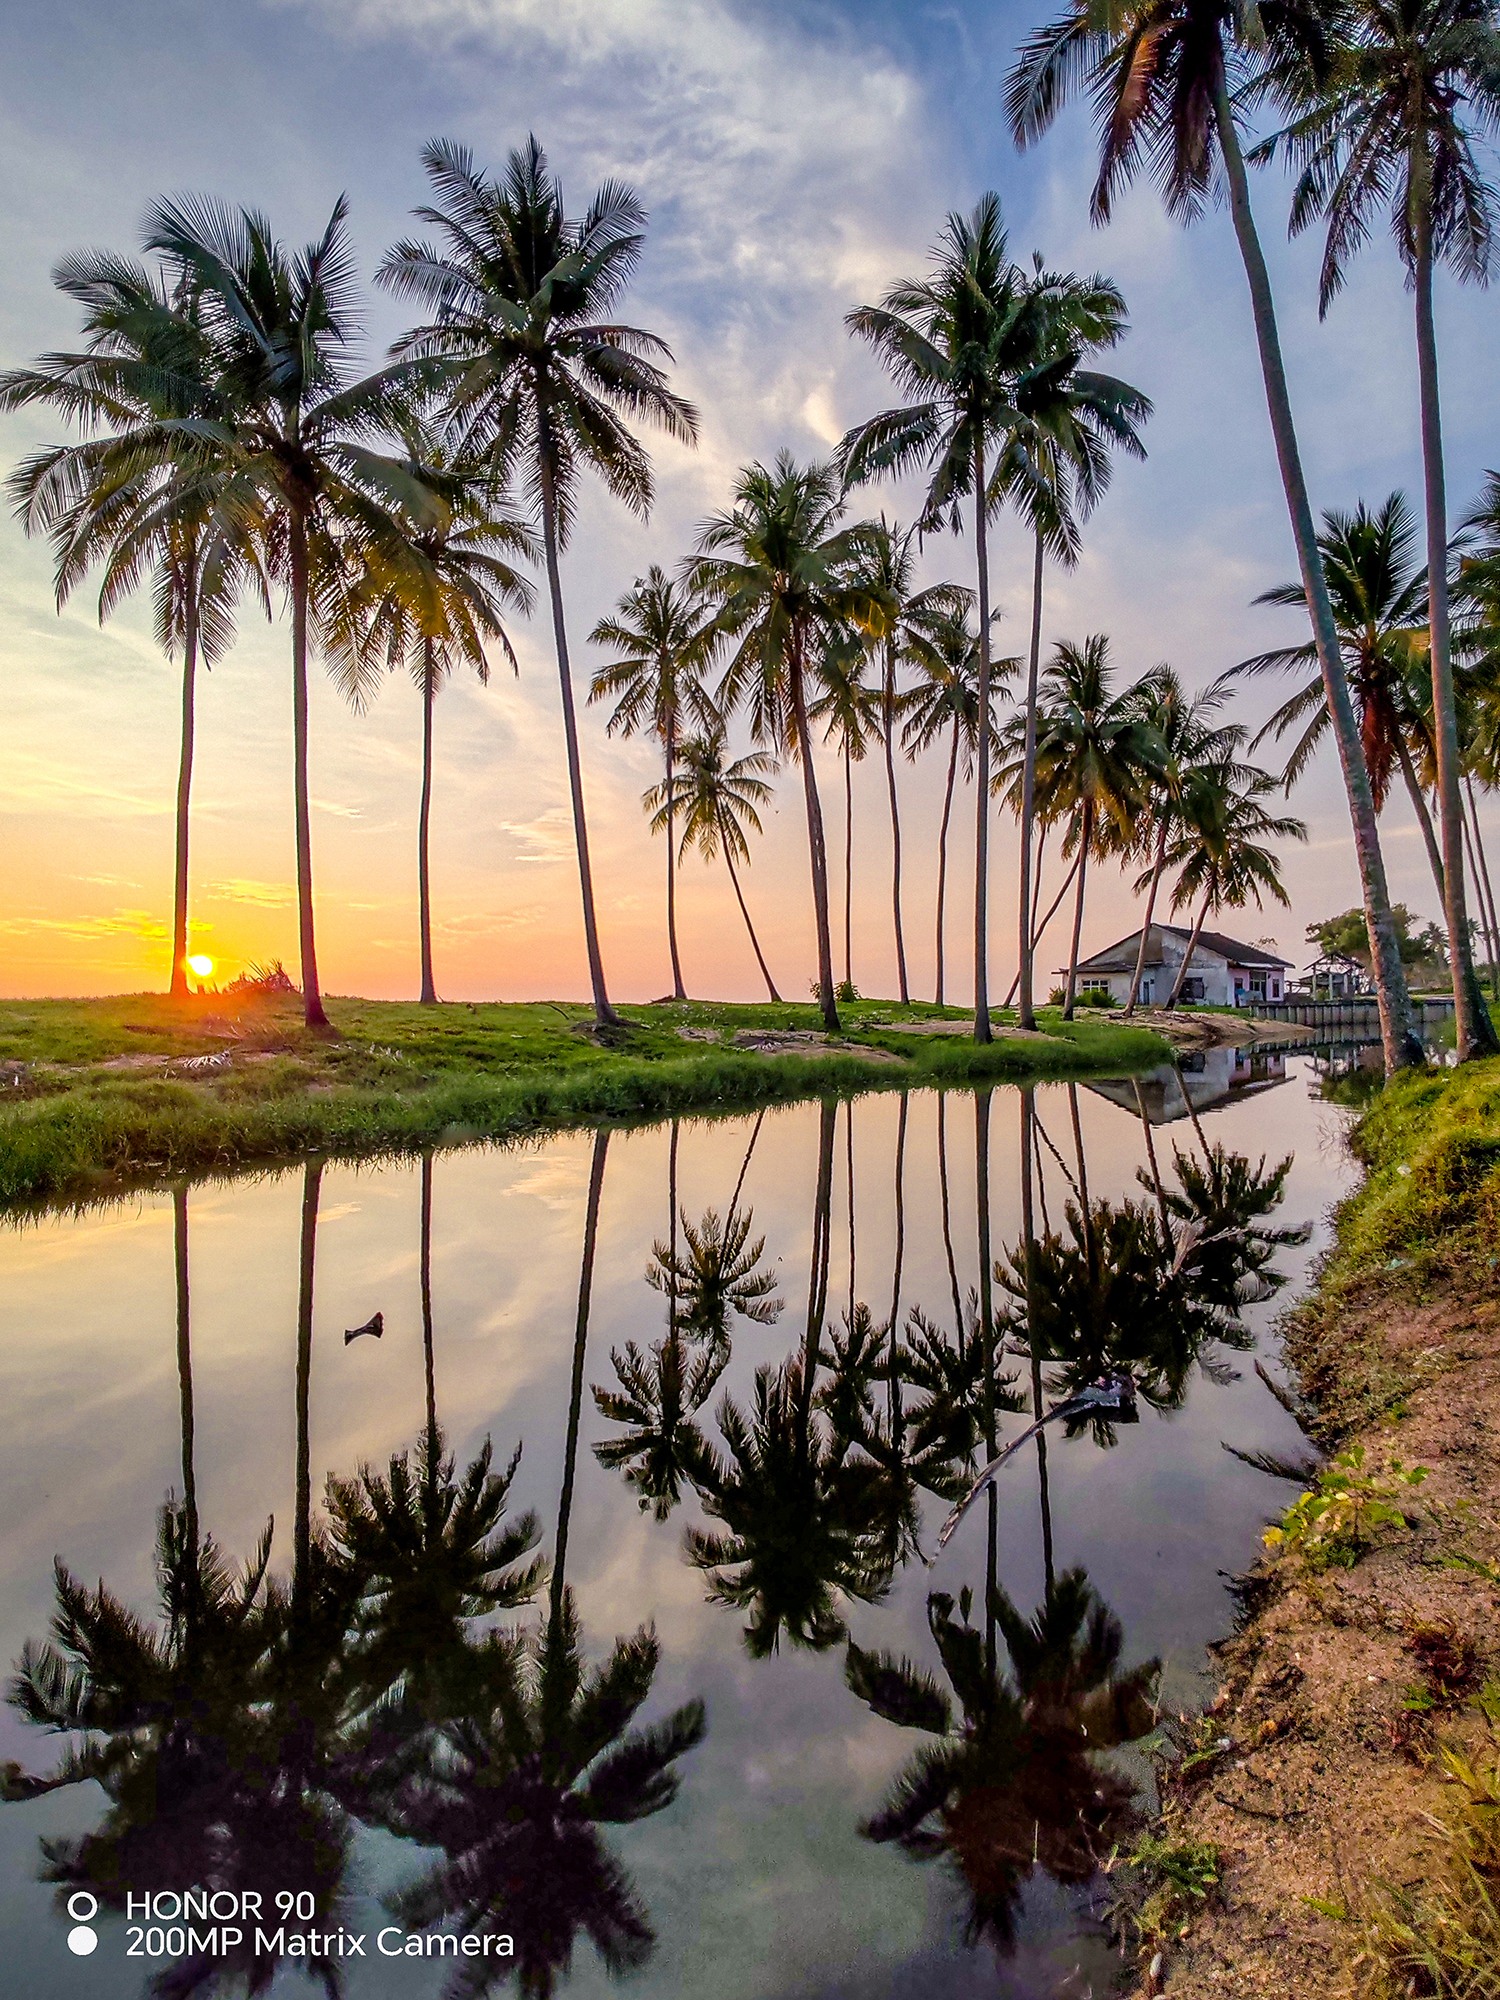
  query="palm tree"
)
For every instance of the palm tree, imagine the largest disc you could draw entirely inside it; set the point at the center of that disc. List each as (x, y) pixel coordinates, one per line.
(913, 618)
(962, 344)
(1217, 848)
(293, 433)
(1383, 126)
(1095, 751)
(665, 645)
(1378, 595)
(783, 571)
(945, 702)
(1181, 724)
(136, 495)
(850, 711)
(1161, 74)
(718, 1275)
(1055, 469)
(718, 803)
(540, 377)
(432, 602)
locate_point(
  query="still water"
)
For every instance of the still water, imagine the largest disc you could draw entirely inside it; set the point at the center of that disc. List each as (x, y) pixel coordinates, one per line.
(841, 1824)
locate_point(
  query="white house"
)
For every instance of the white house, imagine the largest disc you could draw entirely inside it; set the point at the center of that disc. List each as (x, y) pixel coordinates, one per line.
(1221, 973)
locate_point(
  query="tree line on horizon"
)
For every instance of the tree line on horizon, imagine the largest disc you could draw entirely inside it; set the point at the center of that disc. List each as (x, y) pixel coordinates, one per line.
(228, 451)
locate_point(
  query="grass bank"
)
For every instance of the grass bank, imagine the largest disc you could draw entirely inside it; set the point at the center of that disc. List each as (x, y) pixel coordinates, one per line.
(97, 1095)
(1348, 1776)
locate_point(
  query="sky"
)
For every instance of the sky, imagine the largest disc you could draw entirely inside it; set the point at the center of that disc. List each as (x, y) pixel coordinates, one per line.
(795, 160)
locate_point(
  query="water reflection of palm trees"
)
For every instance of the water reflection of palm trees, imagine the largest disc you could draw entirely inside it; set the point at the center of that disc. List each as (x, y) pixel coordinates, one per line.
(240, 1738)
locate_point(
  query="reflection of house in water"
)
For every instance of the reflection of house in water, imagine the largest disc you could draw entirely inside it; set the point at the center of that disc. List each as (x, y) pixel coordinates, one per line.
(1210, 1077)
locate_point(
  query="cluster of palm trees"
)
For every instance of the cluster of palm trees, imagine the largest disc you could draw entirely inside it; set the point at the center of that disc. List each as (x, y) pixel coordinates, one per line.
(227, 450)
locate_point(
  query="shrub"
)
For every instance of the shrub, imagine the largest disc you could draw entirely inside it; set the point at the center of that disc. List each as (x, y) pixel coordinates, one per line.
(1332, 1522)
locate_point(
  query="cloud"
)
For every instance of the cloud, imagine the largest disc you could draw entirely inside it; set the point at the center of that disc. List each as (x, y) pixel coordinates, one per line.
(124, 923)
(265, 895)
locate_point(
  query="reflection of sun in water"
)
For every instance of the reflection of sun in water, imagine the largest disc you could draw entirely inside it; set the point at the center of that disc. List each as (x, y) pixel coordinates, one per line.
(201, 964)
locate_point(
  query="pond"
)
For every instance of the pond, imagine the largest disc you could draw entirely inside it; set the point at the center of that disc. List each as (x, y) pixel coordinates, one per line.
(760, 1736)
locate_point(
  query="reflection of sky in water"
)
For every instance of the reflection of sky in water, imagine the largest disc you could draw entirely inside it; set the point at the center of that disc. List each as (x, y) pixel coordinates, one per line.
(756, 1880)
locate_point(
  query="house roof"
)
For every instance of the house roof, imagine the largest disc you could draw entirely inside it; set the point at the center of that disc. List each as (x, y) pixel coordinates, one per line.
(1121, 956)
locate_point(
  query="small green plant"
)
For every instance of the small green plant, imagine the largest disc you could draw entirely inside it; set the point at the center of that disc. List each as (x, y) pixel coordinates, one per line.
(1178, 1877)
(1057, 997)
(1333, 1522)
(846, 992)
(1097, 996)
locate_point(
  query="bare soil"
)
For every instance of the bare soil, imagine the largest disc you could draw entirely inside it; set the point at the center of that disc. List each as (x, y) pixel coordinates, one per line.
(1332, 1773)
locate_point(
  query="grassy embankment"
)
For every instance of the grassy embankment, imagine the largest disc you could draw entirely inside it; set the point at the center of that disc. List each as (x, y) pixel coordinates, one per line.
(1349, 1776)
(104, 1093)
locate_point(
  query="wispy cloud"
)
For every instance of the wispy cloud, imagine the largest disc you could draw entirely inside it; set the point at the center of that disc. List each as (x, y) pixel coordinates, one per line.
(238, 889)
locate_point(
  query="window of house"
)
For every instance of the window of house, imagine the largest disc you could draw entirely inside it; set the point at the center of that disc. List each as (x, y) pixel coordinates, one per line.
(1192, 989)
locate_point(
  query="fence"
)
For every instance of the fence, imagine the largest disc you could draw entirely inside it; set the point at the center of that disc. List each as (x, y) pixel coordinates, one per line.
(1360, 1014)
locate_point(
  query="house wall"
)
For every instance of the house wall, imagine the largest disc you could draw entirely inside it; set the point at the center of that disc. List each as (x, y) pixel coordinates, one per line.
(1222, 984)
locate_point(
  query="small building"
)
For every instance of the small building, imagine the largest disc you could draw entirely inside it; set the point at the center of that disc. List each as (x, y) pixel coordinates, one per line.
(1335, 976)
(1221, 973)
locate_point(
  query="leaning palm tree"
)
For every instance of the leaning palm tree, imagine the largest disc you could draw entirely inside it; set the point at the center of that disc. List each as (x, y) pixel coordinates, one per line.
(540, 377)
(137, 495)
(1219, 849)
(433, 601)
(850, 712)
(1389, 123)
(788, 578)
(1162, 74)
(1188, 738)
(963, 345)
(293, 433)
(665, 645)
(718, 803)
(945, 702)
(1095, 755)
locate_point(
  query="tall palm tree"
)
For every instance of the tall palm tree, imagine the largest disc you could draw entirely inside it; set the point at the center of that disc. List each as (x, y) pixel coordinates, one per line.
(913, 617)
(964, 345)
(788, 579)
(1095, 754)
(1055, 470)
(1390, 123)
(666, 644)
(850, 711)
(136, 495)
(945, 702)
(1378, 595)
(1161, 74)
(434, 601)
(718, 803)
(1182, 726)
(293, 433)
(539, 374)
(1218, 848)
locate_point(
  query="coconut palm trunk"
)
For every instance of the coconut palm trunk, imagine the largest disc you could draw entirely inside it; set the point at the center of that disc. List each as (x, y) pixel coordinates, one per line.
(1400, 1044)
(1192, 944)
(754, 940)
(848, 863)
(575, 1392)
(312, 998)
(893, 1376)
(1474, 1031)
(942, 1154)
(424, 820)
(424, 1278)
(1085, 837)
(986, 1336)
(942, 875)
(817, 849)
(1156, 874)
(888, 731)
(1027, 912)
(982, 765)
(604, 1013)
(179, 980)
(817, 1276)
(679, 991)
(1435, 860)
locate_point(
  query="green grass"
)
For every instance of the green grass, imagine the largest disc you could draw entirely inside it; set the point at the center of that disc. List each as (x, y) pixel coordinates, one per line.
(394, 1076)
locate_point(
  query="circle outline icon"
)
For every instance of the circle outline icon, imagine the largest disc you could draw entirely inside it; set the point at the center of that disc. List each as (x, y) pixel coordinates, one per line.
(83, 1916)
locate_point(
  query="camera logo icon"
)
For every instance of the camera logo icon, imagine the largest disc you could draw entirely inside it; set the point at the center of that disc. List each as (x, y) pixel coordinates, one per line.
(82, 1908)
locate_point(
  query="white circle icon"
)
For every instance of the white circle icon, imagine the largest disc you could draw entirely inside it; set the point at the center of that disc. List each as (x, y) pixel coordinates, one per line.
(82, 1941)
(89, 1910)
